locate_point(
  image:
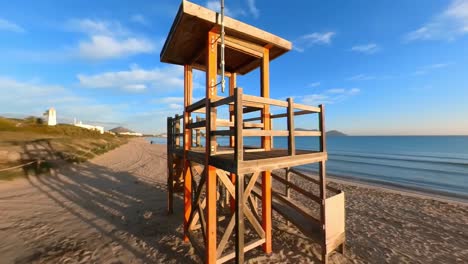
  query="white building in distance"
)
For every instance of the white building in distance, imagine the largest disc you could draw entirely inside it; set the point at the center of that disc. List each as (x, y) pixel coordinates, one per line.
(90, 127)
(51, 117)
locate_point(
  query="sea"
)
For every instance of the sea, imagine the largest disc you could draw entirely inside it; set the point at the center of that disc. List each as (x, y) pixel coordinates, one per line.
(436, 165)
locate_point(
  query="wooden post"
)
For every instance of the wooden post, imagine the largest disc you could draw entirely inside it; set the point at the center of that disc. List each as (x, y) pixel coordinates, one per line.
(239, 141)
(211, 91)
(266, 144)
(170, 173)
(291, 138)
(187, 145)
(240, 228)
(323, 183)
(232, 86)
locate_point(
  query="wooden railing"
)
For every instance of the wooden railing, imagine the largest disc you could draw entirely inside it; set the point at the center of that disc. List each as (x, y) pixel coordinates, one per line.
(238, 127)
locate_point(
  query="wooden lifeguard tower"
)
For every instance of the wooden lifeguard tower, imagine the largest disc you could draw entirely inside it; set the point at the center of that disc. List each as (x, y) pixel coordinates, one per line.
(223, 185)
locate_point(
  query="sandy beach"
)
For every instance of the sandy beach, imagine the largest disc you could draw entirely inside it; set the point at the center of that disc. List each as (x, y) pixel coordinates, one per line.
(112, 209)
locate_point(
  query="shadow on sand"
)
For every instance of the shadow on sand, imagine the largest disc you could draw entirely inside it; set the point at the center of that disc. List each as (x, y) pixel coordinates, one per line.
(123, 208)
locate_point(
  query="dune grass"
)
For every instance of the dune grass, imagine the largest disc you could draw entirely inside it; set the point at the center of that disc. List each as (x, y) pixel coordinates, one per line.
(24, 140)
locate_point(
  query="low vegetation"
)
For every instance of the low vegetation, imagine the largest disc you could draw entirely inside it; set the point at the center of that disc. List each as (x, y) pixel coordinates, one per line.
(26, 140)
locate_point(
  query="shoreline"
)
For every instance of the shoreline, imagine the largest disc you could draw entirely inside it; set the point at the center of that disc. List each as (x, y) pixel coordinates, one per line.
(393, 187)
(397, 188)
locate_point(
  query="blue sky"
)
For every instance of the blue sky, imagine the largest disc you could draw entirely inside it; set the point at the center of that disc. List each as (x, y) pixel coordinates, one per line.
(381, 67)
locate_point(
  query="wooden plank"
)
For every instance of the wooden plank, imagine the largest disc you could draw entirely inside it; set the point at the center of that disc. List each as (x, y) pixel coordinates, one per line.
(227, 182)
(253, 119)
(307, 108)
(201, 67)
(197, 124)
(247, 247)
(308, 133)
(265, 100)
(240, 228)
(265, 133)
(197, 157)
(298, 189)
(267, 145)
(280, 162)
(251, 109)
(281, 200)
(188, 94)
(235, 25)
(238, 136)
(296, 113)
(211, 92)
(197, 105)
(335, 216)
(200, 111)
(221, 133)
(222, 101)
(254, 150)
(202, 220)
(258, 228)
(224, 123)
(253, 125)
(253, 105)
(244, 46)
(226, 235)
(311, 179)
(232, 139)
(291, 138)
(323, 139)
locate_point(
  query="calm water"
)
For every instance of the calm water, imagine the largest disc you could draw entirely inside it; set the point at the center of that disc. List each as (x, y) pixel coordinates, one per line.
(437, 164)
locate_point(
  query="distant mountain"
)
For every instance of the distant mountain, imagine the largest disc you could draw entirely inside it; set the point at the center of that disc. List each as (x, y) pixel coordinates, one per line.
(121, 130)
(335, 133)
(331, 133)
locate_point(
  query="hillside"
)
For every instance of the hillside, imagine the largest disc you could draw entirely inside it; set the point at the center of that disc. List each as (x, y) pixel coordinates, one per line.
(336, 133)
(26, 140)
(331, 133)
(121, 130)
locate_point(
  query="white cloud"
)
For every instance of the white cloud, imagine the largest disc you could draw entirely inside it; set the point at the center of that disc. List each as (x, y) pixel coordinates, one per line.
(108, 40)
(449, 25)
(336, 91)
(96, 27)
(140, 19)
(24, 98)
(106, 47)
(314, 84)
(6, 25)
(315, 38)
(136, 79)
(329, 96)
(176, 106)
(370, 48)
(361, 77)
(253, 8)
(171, 100)
(429, 68)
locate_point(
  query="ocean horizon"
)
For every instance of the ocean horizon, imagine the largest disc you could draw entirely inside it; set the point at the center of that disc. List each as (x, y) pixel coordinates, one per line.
(434, 165)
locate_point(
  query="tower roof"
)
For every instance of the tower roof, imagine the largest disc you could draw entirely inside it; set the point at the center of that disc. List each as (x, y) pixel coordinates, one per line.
(186, 42)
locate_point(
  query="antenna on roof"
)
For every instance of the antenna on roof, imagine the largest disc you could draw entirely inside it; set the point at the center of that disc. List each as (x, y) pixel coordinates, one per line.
(223, 83)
